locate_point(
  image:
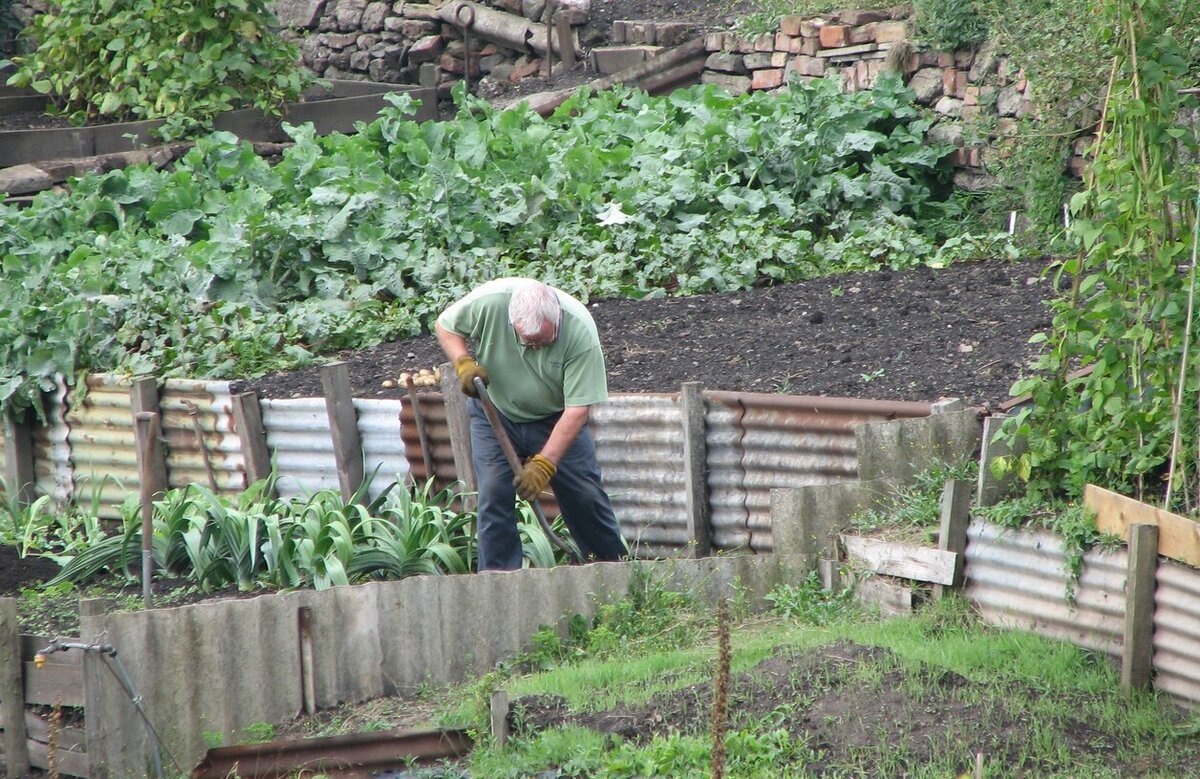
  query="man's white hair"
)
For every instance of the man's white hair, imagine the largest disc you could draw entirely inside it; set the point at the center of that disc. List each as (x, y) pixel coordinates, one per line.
(532, 306)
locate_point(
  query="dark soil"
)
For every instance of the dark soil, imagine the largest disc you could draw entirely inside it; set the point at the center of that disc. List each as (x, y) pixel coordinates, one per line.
(16, 573)
(850, 705)
(921, 335)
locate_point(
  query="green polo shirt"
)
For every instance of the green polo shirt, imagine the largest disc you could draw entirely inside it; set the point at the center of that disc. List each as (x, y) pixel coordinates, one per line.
(527, 384)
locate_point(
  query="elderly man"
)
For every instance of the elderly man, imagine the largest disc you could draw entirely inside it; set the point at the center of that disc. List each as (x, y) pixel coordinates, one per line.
(537, 349)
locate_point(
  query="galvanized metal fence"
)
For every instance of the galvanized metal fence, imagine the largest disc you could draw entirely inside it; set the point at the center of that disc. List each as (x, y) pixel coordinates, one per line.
(749, 444)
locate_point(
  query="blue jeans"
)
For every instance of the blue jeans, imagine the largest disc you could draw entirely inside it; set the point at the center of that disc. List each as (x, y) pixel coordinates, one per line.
(584, 503)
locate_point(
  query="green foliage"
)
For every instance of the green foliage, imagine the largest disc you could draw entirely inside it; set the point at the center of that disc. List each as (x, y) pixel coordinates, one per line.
(258, 540)
(147, 59)
(914, 509)
(809, 604)
(1128, 319)
(226, 266)
(765, 14)
(949, 24)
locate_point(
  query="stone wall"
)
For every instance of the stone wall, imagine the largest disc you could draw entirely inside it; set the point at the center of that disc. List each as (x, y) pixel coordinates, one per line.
(979, 96)
(401, 42)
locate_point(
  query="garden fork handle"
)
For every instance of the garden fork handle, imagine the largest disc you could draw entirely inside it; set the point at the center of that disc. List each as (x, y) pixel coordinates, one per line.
(514, 461)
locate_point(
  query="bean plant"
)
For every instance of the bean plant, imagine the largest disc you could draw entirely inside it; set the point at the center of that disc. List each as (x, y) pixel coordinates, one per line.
(146, 59)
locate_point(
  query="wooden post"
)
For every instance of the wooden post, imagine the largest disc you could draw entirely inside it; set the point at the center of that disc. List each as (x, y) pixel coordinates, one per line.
(97, 678)
(1137, 657)
(143, 398)
(247, 417)
(343, 426)
(566, 46)
(695, 469)
(19, 475)
(12, 698)
(499, 711)
(952, 534)
(146, 427)
(830, 572)
(458, 422)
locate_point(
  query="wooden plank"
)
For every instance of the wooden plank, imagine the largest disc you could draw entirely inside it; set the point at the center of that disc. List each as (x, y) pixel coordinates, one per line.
(247, 417)
(1178, 536)
(54, 683)
(1138, 650)
(695, 469)
(892, 599)
(952, 532)
(16, 756)
(70, 763)
(343, 427)
(38, 729)
(18, 457)
(908, 561)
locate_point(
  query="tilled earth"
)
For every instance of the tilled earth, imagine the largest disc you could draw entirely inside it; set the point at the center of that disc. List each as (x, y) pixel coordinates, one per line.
(921, 334)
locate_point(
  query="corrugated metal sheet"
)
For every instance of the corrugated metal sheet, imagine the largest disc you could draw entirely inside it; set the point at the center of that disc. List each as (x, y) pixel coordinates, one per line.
(51, 452)
(1018, 578)
(190, 454)
(383, 446)
(301, 446)
(103, 451)
(432, 409)
(758, 442)
(1177, 632)
(639, 445)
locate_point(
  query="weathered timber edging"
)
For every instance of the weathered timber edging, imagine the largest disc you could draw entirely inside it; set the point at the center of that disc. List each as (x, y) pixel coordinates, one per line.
(350, 102)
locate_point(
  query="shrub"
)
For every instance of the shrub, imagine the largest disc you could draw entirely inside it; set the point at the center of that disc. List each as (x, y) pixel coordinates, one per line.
(949, 24)
(148, 59)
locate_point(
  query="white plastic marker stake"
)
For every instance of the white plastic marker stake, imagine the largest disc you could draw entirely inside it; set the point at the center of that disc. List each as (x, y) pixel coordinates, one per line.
(1012, 222)
(1066, 217)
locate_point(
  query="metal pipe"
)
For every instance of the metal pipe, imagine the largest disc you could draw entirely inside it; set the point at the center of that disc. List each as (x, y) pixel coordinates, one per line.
(510, 454)
(108, 653)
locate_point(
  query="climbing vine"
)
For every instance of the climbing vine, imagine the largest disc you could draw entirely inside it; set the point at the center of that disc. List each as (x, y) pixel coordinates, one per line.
(1119, 378)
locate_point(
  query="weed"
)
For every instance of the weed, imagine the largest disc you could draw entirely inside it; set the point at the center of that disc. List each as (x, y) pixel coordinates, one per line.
(810, 604)
(914, 510)
(867, 378)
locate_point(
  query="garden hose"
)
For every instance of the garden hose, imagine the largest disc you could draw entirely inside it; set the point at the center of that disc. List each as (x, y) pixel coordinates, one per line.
(109, 654)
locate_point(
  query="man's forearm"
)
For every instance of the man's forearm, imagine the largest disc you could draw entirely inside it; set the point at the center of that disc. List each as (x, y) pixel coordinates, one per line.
(565, 430)
(453, 344)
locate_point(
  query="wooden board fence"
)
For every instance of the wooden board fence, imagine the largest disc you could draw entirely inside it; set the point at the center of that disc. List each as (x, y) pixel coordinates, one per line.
(1178, 536)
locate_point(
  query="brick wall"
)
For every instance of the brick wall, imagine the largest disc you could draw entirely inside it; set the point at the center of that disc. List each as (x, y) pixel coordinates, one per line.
(978, 95)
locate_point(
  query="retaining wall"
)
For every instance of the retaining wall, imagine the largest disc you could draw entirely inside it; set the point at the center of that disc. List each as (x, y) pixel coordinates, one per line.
(195, 666)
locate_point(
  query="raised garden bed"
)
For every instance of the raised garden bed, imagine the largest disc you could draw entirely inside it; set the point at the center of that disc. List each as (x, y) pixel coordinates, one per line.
(330, 110)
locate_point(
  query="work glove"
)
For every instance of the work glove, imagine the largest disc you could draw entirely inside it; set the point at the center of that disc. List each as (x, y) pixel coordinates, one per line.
(467, 369)
(534, 477)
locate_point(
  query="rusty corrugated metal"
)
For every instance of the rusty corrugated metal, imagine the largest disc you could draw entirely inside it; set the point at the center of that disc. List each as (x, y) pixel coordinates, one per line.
(185, 403)
(1018, 578)
(759, 442)
(301, 446)
(382, 445)
(1177, 632)
(432, 408)
(103, 451)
